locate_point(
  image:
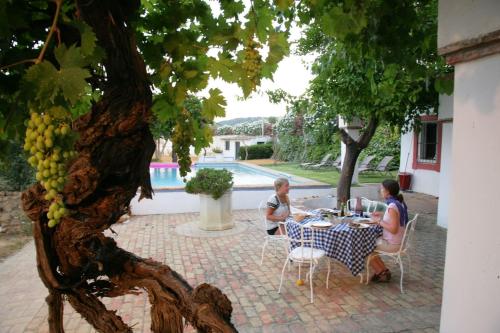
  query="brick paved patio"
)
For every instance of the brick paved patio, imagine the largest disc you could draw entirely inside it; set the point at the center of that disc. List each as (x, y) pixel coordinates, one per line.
(232, 264)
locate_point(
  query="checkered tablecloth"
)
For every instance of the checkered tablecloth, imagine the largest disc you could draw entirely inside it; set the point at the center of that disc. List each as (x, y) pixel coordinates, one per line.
(347, 245)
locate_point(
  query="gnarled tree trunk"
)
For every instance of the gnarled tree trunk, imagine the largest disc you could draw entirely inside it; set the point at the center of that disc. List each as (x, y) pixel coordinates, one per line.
(114, 148)
(353, 149)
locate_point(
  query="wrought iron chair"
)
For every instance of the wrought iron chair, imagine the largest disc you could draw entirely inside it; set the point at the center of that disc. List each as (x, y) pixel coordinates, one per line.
(278, 239)
(398, 255)
(304, 253)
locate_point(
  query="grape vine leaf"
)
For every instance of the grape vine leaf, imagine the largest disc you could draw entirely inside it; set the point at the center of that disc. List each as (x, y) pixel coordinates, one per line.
(214, 105)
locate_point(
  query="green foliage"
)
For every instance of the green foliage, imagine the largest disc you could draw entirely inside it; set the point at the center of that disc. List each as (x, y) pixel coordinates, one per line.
(256, 152)
(183, 44)
(306, 133)
(385, 142)
(14, 170)
(214, 182)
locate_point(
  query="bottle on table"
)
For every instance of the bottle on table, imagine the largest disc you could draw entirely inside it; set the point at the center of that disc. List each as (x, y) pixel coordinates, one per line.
(358, 210)
(342, 207)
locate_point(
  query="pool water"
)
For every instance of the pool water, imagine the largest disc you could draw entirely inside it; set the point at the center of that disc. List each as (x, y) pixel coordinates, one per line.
(242, 175)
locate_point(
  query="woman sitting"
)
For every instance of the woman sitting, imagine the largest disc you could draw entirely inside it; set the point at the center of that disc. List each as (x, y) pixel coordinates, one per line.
(393, 223)
(278, 206)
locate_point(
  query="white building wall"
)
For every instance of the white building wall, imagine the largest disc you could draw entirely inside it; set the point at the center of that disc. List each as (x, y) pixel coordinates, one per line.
(220, 142)
(445, 113)
(465, 19)
(422, 181)
(471, 292)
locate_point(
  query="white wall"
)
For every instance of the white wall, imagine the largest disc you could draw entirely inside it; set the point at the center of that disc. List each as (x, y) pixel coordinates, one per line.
(220, 142)
(445, 112)
(471, 292)
(171, 202)
(422, 181)
(465, 19)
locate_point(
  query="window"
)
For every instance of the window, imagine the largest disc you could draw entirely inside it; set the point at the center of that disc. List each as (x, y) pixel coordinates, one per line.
(427, 145)
(227, 144)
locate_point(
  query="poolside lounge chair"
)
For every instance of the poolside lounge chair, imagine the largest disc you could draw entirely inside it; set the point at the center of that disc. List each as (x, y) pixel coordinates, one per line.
(365, 164)
(383, 164)
(324, 164)
(324, 160)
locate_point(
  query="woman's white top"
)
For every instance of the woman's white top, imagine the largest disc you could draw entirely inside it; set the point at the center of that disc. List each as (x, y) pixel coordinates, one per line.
(279, 208)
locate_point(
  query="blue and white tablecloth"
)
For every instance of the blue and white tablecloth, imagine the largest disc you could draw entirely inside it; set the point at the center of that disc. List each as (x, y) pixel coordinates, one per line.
(347, 245)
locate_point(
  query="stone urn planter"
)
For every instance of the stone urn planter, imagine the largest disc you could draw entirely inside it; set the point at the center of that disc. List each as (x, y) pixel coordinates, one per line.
(216, 214)
(214, 187)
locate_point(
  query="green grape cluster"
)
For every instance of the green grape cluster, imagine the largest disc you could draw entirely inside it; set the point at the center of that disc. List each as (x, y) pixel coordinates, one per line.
(252, 63)
(182, 138)
(49, 143)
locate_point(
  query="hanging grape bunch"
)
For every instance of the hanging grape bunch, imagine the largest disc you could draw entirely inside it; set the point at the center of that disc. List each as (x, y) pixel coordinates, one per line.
(49, 143)
(252, 62)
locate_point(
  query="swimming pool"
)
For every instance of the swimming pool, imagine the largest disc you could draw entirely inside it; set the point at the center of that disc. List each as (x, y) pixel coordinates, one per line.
(242, 175)
(252, 184)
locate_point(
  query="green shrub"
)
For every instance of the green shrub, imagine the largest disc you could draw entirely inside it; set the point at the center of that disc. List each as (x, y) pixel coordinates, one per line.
(256, 152)
(214, 182)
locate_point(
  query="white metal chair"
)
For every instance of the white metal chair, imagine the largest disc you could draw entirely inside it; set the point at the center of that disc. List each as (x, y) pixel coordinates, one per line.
(398, 255)
(305, 253)
(368, 205)
(278, 239)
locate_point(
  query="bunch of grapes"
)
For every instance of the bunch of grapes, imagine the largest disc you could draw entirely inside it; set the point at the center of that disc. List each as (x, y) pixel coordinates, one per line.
(252, 62)
(49, 143)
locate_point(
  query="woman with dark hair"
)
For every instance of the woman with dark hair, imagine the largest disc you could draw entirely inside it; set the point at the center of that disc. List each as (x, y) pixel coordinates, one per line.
(393, 223)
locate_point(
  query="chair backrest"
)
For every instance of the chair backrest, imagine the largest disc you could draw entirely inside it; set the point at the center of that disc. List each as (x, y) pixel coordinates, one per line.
(382, 166)
(378, 206)
(302, 241)
(366, 162)
(408, 234)
(337, 161)
(262, 214)
(365, 203)
(326, 158)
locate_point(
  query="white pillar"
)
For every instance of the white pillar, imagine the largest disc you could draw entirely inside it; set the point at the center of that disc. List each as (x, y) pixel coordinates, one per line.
(471, 290)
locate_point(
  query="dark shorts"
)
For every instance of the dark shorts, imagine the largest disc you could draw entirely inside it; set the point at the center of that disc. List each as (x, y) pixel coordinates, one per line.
(272, 231)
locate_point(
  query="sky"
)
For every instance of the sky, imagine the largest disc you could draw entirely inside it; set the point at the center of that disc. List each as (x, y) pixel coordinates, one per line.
(293, 76)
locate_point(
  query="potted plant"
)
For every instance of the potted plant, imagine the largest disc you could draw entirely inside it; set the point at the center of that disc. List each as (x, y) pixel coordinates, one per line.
(214, 187)
(219, 156)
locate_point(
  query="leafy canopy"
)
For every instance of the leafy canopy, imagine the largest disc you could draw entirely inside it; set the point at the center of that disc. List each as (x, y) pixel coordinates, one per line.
(377, 59)
(51, 60)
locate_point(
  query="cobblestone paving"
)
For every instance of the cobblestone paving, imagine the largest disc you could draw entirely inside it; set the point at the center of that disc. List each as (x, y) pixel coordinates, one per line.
(232, 264)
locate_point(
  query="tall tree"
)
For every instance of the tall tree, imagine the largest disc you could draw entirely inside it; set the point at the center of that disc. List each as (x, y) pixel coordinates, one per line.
(77, 81)
(377, 63)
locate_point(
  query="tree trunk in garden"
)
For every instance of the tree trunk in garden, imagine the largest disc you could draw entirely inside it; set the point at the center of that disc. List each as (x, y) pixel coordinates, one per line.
(75, 259)
(353, 149)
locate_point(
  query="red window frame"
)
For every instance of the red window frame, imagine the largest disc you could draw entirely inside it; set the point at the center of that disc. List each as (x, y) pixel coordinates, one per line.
(435, 166)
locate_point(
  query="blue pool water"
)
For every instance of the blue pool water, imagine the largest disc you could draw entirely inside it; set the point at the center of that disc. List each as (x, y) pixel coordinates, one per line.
(242, 175)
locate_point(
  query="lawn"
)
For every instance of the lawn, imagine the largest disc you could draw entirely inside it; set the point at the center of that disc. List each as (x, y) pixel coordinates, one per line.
(329, 176)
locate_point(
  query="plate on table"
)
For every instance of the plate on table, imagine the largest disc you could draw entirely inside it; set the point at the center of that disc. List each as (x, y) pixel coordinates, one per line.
(327, 210)
(321, 224)
(354, 225)
(362, 220)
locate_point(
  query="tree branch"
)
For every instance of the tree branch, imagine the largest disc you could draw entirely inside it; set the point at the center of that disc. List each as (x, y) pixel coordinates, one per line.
(51, 31)
(367, 135)
(18, 63)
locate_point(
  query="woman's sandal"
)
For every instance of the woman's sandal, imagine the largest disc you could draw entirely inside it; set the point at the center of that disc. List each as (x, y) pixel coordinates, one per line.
(384, 276)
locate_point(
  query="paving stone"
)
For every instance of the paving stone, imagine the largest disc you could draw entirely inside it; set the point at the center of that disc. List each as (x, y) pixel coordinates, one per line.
(233, 264)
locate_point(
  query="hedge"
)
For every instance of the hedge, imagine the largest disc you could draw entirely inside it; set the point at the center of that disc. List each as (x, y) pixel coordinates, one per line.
(256, 152)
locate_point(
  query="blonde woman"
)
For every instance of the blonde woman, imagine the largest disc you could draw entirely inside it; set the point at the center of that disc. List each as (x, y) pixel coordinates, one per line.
(278, 206)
